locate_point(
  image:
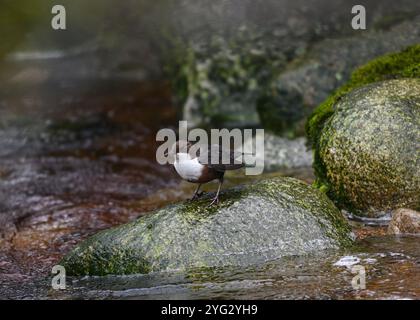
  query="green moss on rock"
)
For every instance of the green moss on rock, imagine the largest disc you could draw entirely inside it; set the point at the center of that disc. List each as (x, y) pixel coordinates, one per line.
(368, 148)
(405, 64)
(253, 224)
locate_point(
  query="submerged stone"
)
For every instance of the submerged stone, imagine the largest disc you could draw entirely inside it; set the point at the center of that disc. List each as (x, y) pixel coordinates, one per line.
(252, 224)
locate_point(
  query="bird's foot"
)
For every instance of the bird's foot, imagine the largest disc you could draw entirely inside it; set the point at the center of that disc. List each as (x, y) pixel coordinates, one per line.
(197, 195)
(214, 201)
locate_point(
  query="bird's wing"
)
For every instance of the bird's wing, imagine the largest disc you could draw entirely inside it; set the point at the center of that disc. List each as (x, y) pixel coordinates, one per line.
(220, 160)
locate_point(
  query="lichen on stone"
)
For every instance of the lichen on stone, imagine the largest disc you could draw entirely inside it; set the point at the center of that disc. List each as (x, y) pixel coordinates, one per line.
(405, 64)
(252, 224)
(369, 148)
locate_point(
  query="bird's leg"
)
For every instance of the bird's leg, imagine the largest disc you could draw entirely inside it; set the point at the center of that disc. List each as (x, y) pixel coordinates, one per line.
(196, 193)
(216, 198)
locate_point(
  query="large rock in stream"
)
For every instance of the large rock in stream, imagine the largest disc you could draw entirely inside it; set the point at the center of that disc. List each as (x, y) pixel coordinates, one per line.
(252, 224)
(367, 152)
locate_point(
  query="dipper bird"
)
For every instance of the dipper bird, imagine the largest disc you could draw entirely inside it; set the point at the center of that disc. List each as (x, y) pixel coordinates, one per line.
(194, 164)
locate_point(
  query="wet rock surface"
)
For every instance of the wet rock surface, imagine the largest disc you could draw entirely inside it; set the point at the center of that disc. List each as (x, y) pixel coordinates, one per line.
(253, 224)
(368, 147)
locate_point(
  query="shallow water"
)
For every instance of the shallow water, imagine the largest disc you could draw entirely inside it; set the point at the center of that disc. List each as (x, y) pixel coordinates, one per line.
(392, 272)
(392, 267)
(75, 157)
(79, 157)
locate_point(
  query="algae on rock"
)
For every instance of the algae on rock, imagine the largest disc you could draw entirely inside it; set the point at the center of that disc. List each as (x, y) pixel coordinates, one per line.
(253, 224)
(404, 64)
(369, 148)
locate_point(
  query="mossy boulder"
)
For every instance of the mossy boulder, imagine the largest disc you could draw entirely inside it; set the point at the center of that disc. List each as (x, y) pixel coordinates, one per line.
(367, 152)
(253, 224)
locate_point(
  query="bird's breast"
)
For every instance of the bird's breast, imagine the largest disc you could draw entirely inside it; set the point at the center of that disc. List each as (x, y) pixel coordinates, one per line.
(189, 169)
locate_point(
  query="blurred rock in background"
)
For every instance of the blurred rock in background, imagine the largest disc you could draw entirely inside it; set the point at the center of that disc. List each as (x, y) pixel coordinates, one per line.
(230, 63)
